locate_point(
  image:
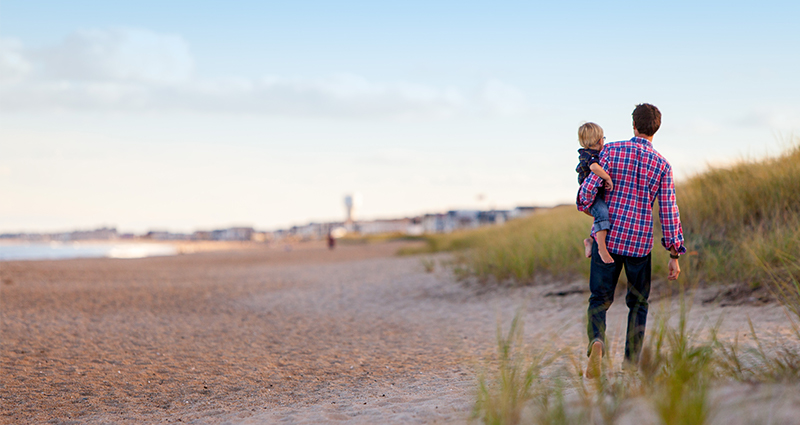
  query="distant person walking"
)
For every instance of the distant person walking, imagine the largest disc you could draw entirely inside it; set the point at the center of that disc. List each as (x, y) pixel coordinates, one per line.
(331, 240)
(641, 176)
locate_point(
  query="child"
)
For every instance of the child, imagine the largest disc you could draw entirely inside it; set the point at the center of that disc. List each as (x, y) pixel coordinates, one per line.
(591, 138)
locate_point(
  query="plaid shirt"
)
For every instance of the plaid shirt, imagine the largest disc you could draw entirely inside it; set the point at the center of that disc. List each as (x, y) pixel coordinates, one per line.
(640, 175)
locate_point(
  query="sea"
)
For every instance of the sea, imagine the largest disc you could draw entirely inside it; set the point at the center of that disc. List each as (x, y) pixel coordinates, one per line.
(14, 251)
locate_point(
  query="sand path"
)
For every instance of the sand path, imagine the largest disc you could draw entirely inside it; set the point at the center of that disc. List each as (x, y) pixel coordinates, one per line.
(354, 335)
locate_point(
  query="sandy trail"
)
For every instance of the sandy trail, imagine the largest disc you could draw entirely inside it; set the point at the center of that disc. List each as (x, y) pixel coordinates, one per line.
(354, 335)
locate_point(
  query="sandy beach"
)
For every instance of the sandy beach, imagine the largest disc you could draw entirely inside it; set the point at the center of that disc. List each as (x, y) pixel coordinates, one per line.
(306, 335)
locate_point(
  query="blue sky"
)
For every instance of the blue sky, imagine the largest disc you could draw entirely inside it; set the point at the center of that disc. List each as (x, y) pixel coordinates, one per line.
(186, 115)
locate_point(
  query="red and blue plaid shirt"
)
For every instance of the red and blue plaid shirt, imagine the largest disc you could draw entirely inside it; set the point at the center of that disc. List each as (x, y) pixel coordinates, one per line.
(640, 175)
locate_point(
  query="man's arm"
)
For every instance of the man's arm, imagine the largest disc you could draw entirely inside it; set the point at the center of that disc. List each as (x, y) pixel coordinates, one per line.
(671, 228)
(673, 266)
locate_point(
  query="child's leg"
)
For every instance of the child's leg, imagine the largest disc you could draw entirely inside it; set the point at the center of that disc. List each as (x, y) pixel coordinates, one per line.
(602, 225)
(601, 246)
(587, 247)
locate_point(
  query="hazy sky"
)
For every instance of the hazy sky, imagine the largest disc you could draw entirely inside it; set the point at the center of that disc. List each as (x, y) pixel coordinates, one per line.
(184, 115)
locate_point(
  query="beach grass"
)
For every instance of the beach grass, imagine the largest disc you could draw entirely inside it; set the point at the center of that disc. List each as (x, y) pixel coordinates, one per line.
(501, 399)
(741, 224)
(520, 250)
(672, 385)
(681, 365)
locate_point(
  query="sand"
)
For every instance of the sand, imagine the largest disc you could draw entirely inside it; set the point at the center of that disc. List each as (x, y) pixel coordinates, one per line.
(355, 335)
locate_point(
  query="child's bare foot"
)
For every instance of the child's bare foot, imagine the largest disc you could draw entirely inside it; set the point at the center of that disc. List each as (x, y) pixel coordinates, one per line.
(587, 247)
(605, 256)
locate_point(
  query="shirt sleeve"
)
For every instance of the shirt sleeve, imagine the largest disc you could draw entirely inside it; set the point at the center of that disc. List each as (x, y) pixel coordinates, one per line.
(587, 192)
(669, 214)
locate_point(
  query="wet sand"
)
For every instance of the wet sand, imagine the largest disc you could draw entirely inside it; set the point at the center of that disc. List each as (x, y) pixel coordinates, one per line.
(354, 335)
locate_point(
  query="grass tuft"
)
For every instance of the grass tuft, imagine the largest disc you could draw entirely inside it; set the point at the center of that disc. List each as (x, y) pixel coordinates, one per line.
(502, 399)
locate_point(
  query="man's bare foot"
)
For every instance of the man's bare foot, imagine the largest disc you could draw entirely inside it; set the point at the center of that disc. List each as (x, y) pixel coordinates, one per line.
(587, 247)
(605, 256)
(593, 370)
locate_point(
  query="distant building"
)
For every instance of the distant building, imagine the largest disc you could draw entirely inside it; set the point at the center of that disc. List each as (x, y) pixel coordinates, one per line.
(158, 235)
(429, 223)
(493, 217)
(383, 226)
(233, 234)
(520, 212)
(104, 233)
(201, 235)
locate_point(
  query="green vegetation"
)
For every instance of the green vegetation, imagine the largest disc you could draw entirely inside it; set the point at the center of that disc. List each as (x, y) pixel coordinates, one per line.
(744, 221)
(358, 239)
(547, 242)
(673, 382)
(741, 223)
(516, 374)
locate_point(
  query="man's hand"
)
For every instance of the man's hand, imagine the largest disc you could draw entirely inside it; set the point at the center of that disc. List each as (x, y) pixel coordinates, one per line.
(609, 184)
(674, 269)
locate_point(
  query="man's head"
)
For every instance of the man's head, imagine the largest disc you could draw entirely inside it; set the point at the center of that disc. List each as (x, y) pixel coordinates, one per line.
(590, 136)
(646, 119)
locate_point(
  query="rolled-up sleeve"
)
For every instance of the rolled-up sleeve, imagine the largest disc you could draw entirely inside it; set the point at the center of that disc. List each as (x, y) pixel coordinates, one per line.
(587, 192)
(669, 214)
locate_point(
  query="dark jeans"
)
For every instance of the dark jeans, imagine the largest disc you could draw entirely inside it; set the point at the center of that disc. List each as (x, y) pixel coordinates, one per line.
(603, 282)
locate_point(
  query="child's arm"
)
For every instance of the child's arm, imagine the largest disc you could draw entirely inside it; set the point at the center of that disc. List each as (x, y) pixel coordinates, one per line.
(600, 172)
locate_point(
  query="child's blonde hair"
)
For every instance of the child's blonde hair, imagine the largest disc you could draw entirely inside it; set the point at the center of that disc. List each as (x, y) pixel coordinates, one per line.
(589, 134)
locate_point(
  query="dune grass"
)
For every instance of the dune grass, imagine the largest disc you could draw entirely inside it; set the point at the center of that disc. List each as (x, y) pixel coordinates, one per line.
(547, 242)
(673, 383)
(744, 220)
(741, 224)
(680, 366)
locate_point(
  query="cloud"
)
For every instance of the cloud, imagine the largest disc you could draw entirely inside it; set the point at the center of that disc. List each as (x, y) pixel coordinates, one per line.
(503, 99)
(119, 54)
(127, 69)
(781, 118)
(13, 64)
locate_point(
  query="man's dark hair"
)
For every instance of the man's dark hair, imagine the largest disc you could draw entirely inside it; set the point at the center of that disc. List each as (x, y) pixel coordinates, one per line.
(646, 119)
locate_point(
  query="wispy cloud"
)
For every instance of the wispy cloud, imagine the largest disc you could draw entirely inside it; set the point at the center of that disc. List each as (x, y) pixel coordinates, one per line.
(781, 118)
(135, 69)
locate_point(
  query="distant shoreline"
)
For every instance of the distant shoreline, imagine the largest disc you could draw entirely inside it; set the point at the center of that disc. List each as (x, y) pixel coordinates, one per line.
(25, 250)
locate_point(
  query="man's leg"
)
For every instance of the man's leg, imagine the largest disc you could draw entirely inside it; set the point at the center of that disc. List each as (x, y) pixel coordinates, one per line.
(602, 283)
(637, 270)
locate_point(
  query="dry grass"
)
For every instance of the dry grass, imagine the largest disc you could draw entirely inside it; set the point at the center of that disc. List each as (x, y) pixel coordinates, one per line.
(741, 224)
(743, 220)
(677, 371)
(680, 367)
(547, 242)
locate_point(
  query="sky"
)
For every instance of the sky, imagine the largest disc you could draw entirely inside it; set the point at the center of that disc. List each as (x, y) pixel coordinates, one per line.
(188, 115)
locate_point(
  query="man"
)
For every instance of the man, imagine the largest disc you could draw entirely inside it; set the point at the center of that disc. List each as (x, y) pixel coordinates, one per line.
(640, 175)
